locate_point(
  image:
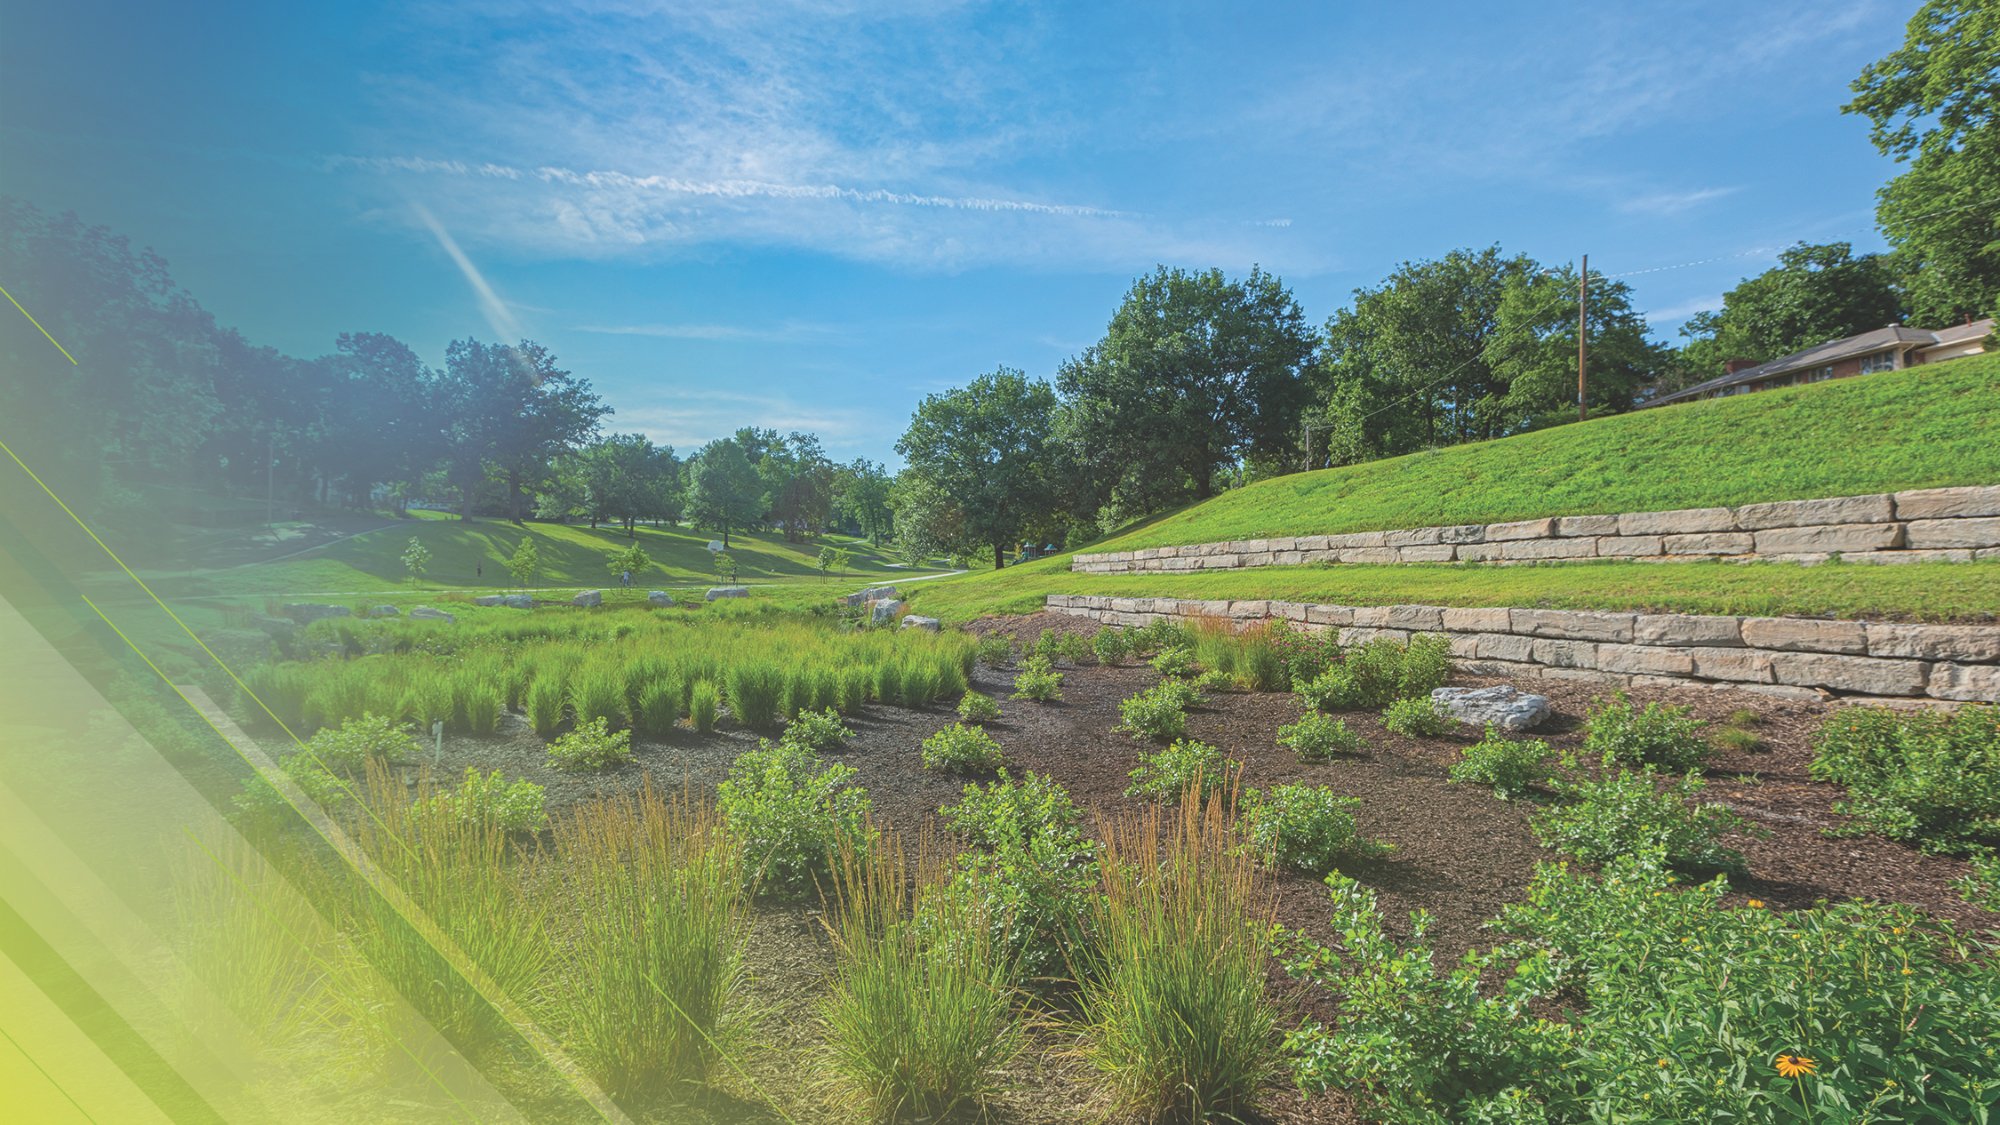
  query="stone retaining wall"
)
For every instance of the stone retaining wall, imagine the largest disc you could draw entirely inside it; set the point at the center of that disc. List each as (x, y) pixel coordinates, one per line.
(1785, 656)
(1941, 524)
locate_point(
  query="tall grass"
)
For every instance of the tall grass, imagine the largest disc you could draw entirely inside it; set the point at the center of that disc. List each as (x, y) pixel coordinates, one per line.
(921, 685)
(1174, 1011)
(597, 691)
(661, 921)
(249, 940)
(660, 705)
(922, 1014)
(756, 694)
(545, 700)
(703, 702)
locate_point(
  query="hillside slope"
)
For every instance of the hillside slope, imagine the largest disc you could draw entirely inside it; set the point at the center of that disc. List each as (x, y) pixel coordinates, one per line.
(1920, 428)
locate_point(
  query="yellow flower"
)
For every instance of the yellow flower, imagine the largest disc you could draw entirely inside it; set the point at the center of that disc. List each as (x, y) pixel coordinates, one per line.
(1794, 1065)
(1756, 904)
(1663, 1064)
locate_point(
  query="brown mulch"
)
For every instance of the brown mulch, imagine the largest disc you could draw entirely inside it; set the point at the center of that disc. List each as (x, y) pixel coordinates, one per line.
(1458, 853)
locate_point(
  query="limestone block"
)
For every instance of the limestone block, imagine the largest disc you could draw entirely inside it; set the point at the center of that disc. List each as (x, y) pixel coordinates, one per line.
(1681, 521)
(1891, 558)
(1571, 527)
(1744, 665)
(1830, 537)
(1684, 629)
(1582, 625)
(1979, 682)
(1338, 615)
(1312, 543)
(1287, 558)
(1464, 646)
(1476, 620)
(1954, 533)
(1478, 552)
(927, 624)
(1501, 705)
(1352, 637)
(1417, 618)
(1948, 503)
(1463, 533)
(1648, 660)
(1259, 558)
(1979, 644)
(1803, 513)
(1250, 610)
(1710, 543)
(1565, 654)
(716, 592)
(1630, 546)
(1520, 529)
(1504, 646)
(1440, 552)
(1799, 634)
(1548, 549)
(1369, 555)
(1865, 674)
(1358, 539)
(1371, 616)
(1413, 537)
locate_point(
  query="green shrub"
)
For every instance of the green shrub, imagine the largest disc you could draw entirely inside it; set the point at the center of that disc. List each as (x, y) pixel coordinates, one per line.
(1160, 633)
(1303, 828)
(755, 690)
(959, 748)
(1219, 681)
(1426, 665)
(515, 807)
(1932, 779)
(1038, 681)
(1159, 712)
(791, 813)
(1317, 737)
(1304, 653)
(1047, 646)
(819, 731)
(1030, 864)
(1110, 646)
(1174, 662)
(347, 747)
(659, 707)
(1173, 1011)
(977, 708)
(703, 702)
(1185, 767)
(1511, 767)
(921, 1018)
(545, 700)
(1981, 885)
(995, 650)
(1418, 716)
(1627, 812)
(1073, 647)
(591, 746)
(1658, 735)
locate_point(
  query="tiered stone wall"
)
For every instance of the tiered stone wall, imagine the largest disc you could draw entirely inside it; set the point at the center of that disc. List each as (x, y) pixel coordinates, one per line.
(1941, 524)
(1786, 656)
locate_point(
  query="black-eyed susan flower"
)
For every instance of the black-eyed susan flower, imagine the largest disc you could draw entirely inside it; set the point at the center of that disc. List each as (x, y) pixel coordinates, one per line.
(1794, 1065)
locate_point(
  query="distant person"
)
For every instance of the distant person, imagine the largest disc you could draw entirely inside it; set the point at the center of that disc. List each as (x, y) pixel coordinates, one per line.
(625, 577)
(478, 570)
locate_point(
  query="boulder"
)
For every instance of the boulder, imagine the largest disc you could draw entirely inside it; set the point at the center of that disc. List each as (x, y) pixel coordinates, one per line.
(883, 611)
(490, 599)
(588, 598)
(928, 624)
(659, 597)
(518, 601)
(305, 613)
(715, 545)
(383, 611)
(715, 592)
(276, 626)
(1502, 705)
(426, 613)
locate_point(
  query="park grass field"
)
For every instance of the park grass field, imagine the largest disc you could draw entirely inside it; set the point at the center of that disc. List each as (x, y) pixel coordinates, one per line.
(1923, 427)
(1909, 591)
(472, 555)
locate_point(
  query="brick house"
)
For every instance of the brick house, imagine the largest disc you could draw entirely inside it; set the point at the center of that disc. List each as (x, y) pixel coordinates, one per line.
(1885, 349)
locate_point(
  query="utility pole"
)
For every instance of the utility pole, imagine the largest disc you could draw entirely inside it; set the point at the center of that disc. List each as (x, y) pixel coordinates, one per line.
(1582, 338)
(271, 476)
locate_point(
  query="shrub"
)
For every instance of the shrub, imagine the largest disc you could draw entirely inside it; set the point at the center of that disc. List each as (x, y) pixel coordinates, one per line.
(1218, 681)
(1159, 712)
(977, 708)
(1110, 646)
(959, 748)
(355, 741)
(1038, 681)
(659, 707)
(1662, 736)
(515, 807)
(755, 688)
(921, 1015)
(1047, 646)
(1029, 863)
(1175, 661)
(1627, 812)
(1304, 828)
(1981, 885)
(818, 731)
(703, 702)
(1317, 737)
(1302, 653)
(1173, 1011)
(995, 650)
(1073, 647)
(1186, 767)
(1159, 634)
(658, 940)
(1929, 778)
(790, 812)
(1418, 716)
(1511, 767)
(1426, 665)
(544, 700)
(591, 746)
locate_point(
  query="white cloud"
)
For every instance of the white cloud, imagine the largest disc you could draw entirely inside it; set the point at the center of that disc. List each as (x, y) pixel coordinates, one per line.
(688, 418)
(1676, 313)
(1667, 203)
(788, 331)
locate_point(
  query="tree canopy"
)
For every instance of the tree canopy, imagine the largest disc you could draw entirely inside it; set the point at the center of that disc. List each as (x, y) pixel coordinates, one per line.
(977, 457)
(1814, 294)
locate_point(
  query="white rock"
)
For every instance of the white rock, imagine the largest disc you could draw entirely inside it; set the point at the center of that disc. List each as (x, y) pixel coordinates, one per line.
(883, 611)
(715, 592)
(1502, 705)
(426, 613)
(928, 624)
(518, 601)
(588, 598)
(383, 611)
(490, 599)
(659, 597)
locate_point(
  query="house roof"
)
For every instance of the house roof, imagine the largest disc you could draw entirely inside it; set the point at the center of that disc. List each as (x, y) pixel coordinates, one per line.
(1895, 336)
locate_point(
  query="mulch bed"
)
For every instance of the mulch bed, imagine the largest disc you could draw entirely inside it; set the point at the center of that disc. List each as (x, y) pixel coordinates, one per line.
(1459, 853)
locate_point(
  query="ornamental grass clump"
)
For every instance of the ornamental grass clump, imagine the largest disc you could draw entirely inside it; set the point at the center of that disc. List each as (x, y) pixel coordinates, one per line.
(597, 693)
(756, 689)
(1188, 768)
(652, 992)
(921, 1017)
(704, 700)
(660, 705)
(545, 701)
(790, 812)
(1512, 767)
(959, 748)
(1657, 735)
(1318, 737)
(1173, 1010)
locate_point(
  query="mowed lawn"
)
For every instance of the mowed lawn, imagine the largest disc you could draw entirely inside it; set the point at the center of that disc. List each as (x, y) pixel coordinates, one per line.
(1923, 427)
(1910, 591)
(473, 555)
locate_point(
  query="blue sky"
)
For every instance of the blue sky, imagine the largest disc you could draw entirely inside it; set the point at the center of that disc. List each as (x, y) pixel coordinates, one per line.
(809, 214)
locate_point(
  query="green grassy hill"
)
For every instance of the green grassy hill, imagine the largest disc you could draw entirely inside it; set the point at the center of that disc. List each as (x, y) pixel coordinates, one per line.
(571, 556)
(1920, 428)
